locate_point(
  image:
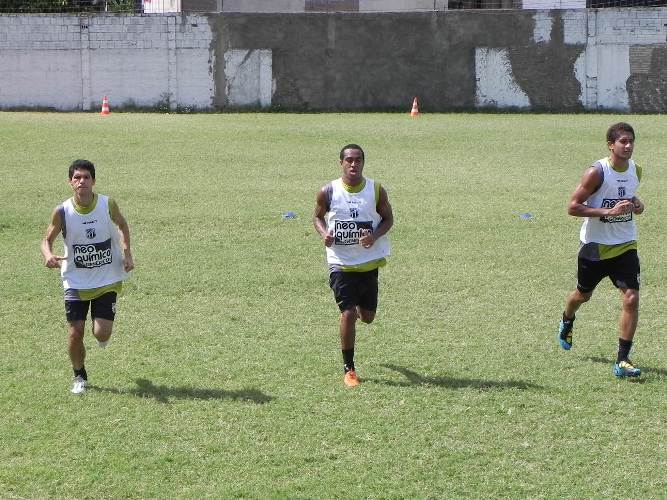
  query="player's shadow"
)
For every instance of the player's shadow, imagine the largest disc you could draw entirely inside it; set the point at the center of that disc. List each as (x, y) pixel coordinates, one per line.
(163, 393)
(415, 379)
(644, 369)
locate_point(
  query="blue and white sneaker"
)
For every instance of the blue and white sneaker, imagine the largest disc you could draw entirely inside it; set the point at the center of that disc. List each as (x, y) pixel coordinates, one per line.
(626, 369)
(78, 385)
(565, 334)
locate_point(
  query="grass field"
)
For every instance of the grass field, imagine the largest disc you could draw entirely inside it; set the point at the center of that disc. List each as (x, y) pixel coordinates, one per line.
(224, 376)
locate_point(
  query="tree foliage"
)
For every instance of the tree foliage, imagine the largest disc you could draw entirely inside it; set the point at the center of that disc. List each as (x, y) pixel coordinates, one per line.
(56, 6)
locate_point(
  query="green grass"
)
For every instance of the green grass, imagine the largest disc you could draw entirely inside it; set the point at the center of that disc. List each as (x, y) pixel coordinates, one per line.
(224, 378)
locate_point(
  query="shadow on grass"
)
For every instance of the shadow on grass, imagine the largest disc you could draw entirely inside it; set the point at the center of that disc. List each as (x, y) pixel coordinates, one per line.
(414, 379)
(162, 393)
(644, 369)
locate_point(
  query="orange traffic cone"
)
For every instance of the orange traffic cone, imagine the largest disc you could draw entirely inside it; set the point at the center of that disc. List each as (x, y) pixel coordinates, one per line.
(105, 106)
(415, 109)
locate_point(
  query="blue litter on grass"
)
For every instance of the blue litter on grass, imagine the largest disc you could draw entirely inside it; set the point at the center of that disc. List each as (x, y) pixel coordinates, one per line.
(289, 215)
(526, 216)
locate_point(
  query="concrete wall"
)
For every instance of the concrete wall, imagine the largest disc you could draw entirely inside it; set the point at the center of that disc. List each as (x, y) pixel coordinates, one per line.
(553, 4)
(70, 62)
(555, 60)
(299, 6)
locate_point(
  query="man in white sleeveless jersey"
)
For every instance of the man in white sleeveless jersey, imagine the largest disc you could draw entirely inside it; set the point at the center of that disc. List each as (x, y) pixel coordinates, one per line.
(353, 216)
(606, 199)
(95, 263)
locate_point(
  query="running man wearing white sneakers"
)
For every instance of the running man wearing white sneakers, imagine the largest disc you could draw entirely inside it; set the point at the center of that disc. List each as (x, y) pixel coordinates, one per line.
(95, 263)
(606, 199)
(353, 216)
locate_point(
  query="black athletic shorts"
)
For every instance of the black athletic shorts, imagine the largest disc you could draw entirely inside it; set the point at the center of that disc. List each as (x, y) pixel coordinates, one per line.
(623, 271)
(355, 289)
(103, 307)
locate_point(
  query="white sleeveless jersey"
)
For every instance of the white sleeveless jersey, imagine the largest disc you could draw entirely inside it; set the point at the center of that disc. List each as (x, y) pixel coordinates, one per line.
(348, 216)
(616, 186)
(92, 247)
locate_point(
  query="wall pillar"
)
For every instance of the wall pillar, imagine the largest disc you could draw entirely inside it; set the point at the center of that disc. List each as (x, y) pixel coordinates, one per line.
(86, 97)
(172, 68)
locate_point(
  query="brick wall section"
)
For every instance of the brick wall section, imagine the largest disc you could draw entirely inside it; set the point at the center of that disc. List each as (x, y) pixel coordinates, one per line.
(631, 26)
(70, 62)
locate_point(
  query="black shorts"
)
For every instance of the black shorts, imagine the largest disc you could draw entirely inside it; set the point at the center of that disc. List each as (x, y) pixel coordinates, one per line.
(355, 289)
(623, 271)
(103, 307)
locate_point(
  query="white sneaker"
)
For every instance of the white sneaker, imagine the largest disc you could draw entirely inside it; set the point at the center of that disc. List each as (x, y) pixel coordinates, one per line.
(78, 385)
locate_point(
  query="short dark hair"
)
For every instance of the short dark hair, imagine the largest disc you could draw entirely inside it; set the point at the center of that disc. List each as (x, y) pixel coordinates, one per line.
(351, 146)
(615, 131)
(82, 165)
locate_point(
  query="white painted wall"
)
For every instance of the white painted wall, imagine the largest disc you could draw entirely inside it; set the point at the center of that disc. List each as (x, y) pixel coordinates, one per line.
(396, 5)
(161, 6)
(70, 62)
(249, 77)
(197, 90)
(604, 66)
(495, 83)
(45, 78)
(575, 26)
(544, 23)
(613, 73)
(581, 76)
(554, 4)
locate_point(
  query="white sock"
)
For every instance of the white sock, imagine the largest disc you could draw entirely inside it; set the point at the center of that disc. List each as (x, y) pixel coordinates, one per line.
(103, 344)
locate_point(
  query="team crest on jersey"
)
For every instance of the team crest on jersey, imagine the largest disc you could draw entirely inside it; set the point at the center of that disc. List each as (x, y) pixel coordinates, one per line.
(348, 232)
(621, 191)
(354, 212)
(90, 233)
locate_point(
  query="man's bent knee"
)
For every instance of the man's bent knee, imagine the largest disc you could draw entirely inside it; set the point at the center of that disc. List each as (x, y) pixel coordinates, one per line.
(102, 329)
(582, 297)
(349, 315)
(75, 329)
(631, 299)
(366, 315)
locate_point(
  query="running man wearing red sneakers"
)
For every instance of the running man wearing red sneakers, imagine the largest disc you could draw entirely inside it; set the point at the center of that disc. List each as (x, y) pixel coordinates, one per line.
(96, 261)
(353, 216)
(606, 199)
